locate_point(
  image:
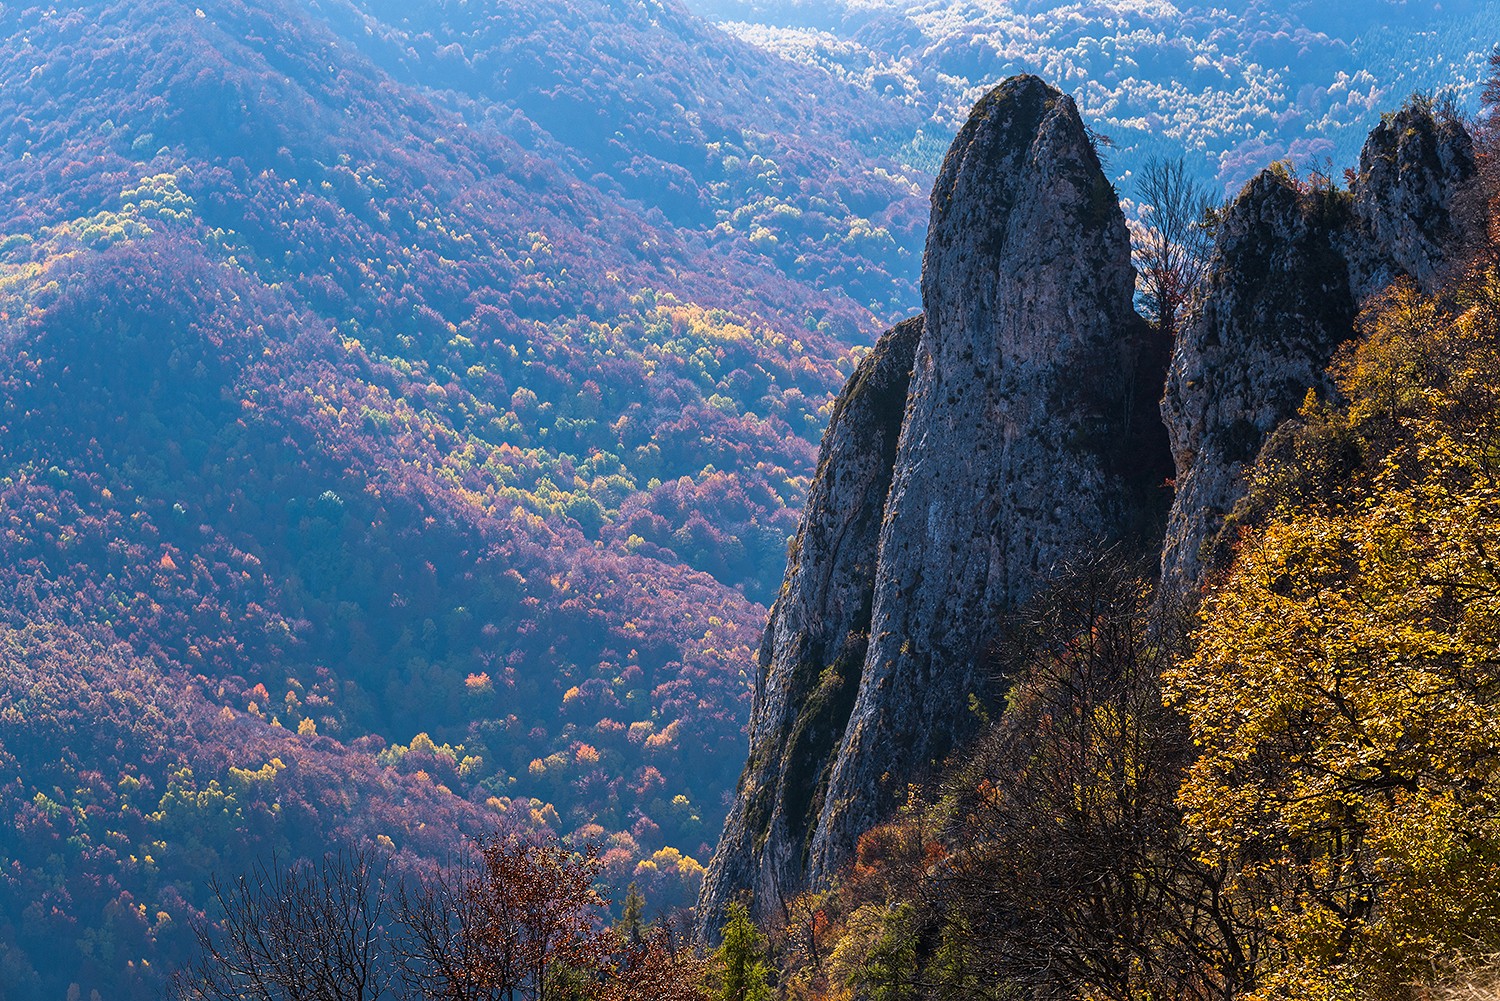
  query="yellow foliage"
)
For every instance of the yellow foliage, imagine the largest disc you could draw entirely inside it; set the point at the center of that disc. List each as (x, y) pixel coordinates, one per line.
(264, 776)
(663, 740)
(1344, 684)
(422, 744)
(669, 859)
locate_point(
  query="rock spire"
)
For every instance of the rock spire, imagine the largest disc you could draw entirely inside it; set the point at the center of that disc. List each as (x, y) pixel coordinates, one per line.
(1031, 430)
(1293, 265)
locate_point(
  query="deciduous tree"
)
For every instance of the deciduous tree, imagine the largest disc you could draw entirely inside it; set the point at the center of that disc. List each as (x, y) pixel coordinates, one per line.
(1069, 867)
(310, 931)
(1173, 243)
(1344, 688)
(514, 919)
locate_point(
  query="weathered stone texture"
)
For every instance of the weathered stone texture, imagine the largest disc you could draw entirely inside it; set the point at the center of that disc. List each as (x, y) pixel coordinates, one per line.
(1414, 208)
(1017, 445)
(1032, 430)
(814, 644)
(1275, 307)
(1291, 270)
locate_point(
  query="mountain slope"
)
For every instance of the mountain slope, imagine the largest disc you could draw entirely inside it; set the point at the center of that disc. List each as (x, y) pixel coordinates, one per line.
(343, 433)
(1230, 86)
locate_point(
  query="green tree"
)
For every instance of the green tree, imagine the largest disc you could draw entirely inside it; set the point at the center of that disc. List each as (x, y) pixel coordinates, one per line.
(740, 960)
(632, 923)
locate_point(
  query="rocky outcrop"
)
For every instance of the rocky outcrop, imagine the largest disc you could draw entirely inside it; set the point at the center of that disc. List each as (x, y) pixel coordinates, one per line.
(1275, 307)
(814, 646)
(1031, 431)
(1292, 267)
(1414, 208)
(1028, 435)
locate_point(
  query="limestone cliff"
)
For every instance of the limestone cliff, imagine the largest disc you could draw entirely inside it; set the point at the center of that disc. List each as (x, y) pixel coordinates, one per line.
(1028, 434)
(1414, 209)
(1033, 428)
(814, 646)
(1291, 269)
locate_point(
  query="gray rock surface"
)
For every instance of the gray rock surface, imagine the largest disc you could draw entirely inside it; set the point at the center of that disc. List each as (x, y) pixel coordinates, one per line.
(814, 645)
(1291, 270)
(1415, 208)
(1275, 307)
(1032, 429)
(1029, 433)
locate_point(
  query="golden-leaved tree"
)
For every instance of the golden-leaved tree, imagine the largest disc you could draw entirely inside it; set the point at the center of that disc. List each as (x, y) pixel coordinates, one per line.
(1345, 688)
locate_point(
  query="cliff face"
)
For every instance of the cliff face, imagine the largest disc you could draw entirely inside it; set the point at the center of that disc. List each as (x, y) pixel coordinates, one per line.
(1023, 408)
(814, 646)
(1274, 309)
(1413, 209)
(1030, 431)
(1291, 270)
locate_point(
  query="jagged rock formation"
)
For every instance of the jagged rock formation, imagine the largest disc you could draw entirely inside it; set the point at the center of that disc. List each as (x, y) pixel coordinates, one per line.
(814, 645)
(1414, 207)
(1274, 309)
(1031, 431)
(1025, 437)
(1291, 270)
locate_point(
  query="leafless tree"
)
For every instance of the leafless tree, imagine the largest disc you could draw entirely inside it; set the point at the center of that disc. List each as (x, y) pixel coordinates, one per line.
(441, 953)
(308, 931)
(510, 919)
(1175, 239)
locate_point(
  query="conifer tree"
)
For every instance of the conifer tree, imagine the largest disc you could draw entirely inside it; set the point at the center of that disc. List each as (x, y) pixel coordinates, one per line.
(740, 960)
(632, 924)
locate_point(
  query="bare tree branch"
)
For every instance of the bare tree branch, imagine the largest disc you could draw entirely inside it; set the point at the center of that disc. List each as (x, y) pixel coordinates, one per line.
(1174, 243)
(310, 931)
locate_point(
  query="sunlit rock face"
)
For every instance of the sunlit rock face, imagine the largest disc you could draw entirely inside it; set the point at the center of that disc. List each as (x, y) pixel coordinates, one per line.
(1415, 209)
(1029, 435)
(814, 646)
(1034, 427)
(1030, 432)
(1292, 268)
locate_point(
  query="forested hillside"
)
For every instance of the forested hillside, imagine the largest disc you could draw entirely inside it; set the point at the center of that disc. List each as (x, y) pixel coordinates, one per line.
(1231, 86)
(396, 443)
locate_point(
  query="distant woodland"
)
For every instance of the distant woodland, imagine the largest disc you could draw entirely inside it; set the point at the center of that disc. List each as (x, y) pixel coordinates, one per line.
(396, 445)
(404, 412)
